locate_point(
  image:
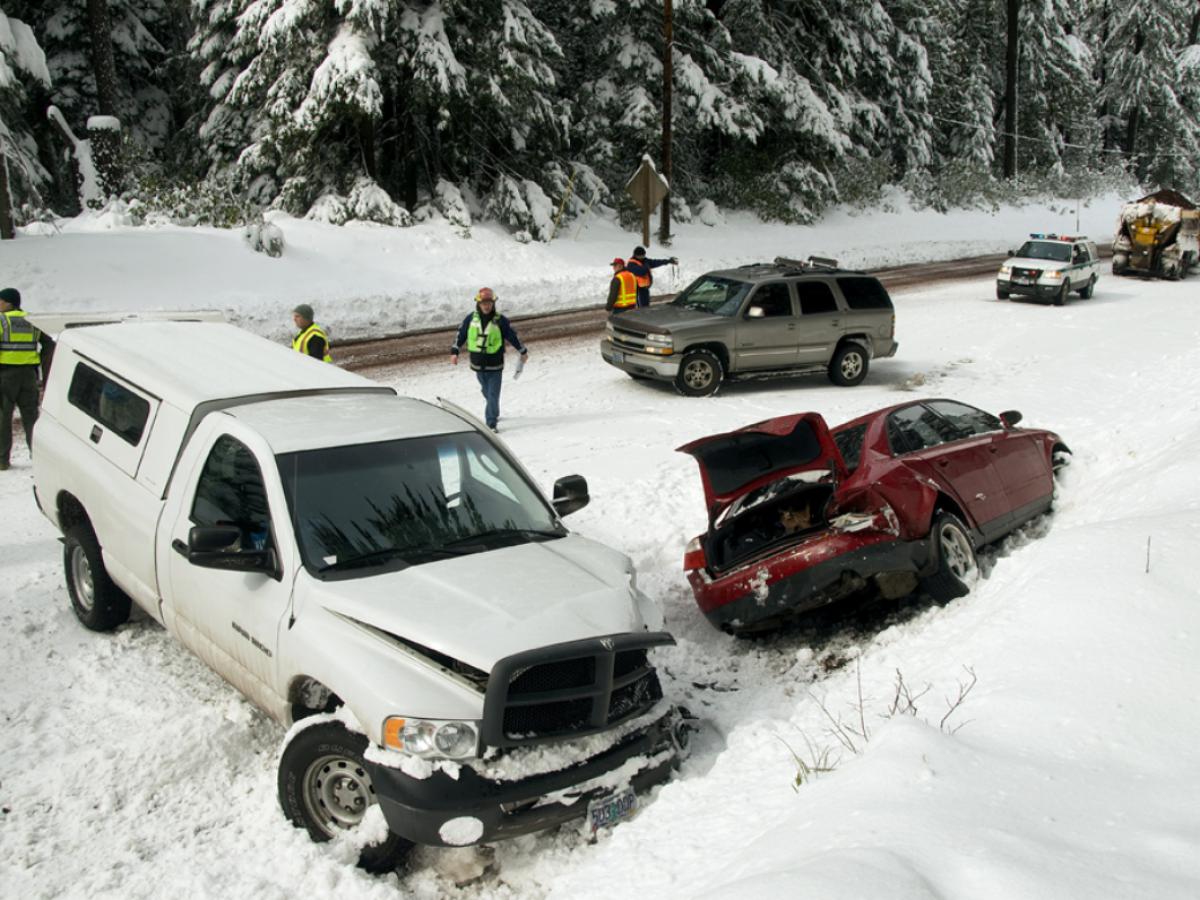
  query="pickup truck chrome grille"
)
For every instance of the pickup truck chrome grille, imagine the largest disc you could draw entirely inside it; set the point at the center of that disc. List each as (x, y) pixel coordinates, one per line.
(628, 340)
(570, 690)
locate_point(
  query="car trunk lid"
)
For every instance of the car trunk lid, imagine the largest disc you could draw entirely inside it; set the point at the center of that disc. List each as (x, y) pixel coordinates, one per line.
(737, 463)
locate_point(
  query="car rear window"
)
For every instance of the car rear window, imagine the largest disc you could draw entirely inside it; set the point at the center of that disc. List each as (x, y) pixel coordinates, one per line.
(113, 405)
(849, 443)
(864, 293)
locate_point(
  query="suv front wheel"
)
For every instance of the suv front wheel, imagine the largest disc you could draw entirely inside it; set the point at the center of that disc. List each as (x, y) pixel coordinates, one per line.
(849, 365)
(699, 374)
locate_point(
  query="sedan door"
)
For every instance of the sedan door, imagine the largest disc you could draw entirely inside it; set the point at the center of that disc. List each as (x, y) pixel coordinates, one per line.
(766, 336)
(959, 462)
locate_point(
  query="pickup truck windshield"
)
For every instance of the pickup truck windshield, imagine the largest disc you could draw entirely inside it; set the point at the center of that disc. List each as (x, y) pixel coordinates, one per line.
(1045, 250)
(361, 509)
(713, 294)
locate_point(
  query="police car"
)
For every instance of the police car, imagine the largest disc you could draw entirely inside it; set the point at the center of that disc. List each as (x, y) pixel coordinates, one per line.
(1049, 267)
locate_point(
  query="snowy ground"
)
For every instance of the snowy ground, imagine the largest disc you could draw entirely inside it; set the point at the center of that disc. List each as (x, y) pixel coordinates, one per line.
(129, 770)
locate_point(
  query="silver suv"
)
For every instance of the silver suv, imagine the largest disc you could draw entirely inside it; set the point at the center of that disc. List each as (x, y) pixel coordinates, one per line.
(761, 320)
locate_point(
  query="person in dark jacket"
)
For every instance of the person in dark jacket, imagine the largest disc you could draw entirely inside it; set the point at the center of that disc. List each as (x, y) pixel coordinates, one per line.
(484, 333)
(640, 265)
(24, 351)
(311, 339)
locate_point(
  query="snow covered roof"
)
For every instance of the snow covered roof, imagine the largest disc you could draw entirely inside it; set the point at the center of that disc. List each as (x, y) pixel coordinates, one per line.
(306, 423)
(1169, 197)
(188, 363)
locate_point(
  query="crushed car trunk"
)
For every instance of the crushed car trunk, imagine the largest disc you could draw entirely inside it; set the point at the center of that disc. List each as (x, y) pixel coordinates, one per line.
(794, 512)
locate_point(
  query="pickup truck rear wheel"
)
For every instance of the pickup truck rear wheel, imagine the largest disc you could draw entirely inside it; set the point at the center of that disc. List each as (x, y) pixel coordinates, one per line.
(849, 365)
(699, 374)
(98, 603)
(957, 568)
(325, 789)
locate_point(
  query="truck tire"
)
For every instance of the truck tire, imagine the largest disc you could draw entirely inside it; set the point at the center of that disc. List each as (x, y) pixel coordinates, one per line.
(957, 568)
(1001, 293)
(849, 365)
(1088, 289)
(1060, 299)
(98, 603)
(324, 788)
(699, 374)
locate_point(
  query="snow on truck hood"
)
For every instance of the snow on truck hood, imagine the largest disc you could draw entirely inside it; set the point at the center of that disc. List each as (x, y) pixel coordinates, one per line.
(486, 606)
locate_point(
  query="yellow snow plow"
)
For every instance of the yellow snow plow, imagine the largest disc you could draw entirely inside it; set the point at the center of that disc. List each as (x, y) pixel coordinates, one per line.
(1157, 235)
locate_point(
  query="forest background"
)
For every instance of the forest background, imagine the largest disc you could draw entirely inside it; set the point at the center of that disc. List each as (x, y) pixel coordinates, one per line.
(535, 113)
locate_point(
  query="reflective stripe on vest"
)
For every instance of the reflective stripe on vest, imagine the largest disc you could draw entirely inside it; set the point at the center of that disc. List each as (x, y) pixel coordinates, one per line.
(481, 339)
(628, 295)
(18, 340)
(300, 343)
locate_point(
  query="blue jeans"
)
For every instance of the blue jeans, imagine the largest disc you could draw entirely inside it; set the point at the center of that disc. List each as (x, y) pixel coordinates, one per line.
(489, 386)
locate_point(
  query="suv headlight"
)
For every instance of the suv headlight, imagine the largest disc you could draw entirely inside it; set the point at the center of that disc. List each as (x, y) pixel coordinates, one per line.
(609, 330)
(1005, 268)
(1052, 274)
(431, 739)
(661, 344)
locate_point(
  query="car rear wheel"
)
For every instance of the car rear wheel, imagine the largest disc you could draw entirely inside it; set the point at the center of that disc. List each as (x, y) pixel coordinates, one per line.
(957, 567)
(324, 788)
(98, 603)
(700, 374)
(1088, 289)
(849, 365)
(1060, 299)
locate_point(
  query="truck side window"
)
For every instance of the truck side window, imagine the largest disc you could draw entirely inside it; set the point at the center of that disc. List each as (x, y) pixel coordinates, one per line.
(815, 297)
(113, 405)
(231, 492)
(864, 293)
(775, 300)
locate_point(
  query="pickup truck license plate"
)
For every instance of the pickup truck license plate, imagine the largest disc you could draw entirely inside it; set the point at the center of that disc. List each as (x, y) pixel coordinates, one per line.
(611, 809)
(618, 356)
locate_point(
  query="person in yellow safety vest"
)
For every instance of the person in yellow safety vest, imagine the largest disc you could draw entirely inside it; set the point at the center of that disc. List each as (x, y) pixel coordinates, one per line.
(20, 360)
(622, 290)
(312, 340)
(484, 333)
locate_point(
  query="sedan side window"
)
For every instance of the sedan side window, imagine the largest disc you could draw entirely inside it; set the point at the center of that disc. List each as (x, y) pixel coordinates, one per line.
(966, 419)
(774, 299)
(815, 297)
(231, 492)
(917, 428)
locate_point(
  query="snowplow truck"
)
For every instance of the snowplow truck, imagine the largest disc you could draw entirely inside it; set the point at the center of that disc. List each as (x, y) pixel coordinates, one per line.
(1157, 235)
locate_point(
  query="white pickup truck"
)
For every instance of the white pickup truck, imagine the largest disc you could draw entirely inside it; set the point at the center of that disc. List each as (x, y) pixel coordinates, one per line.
(377, 572)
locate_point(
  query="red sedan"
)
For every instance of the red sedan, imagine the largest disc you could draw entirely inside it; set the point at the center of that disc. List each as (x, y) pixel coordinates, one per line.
(801, 516)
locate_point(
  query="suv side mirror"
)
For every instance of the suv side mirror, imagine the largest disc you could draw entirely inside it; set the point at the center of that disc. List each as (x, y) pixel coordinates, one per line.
(1012, 252)
(1010, 418)
(220, 547)
(570, 494)
(755, 312)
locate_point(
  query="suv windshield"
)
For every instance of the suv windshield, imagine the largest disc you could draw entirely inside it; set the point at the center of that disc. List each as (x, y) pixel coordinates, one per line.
(713, 294)
(394, 504)
(1045, 250)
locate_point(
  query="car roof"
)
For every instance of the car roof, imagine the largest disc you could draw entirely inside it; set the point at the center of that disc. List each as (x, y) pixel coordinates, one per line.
(337, 420)
(1060, 239)
(868, 418)
(765, 271)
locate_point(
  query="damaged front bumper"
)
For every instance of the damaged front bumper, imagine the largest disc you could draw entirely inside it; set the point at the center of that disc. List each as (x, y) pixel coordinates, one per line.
(462, 805)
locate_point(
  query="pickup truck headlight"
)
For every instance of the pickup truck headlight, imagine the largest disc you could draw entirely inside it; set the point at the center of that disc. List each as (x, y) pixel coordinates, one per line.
(1052, 274)
(431, 739)
(1005, 268)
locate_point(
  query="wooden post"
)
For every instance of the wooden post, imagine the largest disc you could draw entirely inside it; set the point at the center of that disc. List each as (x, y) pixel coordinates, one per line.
(664, 223)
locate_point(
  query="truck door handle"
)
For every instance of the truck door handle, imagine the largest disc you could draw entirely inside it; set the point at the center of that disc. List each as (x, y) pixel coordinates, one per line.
(95, 435)
(943, 462)
(179, 547)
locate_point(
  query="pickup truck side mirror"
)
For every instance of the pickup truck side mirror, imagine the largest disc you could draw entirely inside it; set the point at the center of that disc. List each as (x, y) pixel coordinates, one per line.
(755, 312)
(220, 547)
(570, 494)
(1010, 417)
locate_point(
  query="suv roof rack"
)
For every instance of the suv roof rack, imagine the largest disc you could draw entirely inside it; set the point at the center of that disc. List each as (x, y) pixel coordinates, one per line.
(813, 262)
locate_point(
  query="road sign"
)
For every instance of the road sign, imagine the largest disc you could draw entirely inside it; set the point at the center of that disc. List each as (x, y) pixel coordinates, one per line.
(647, 188)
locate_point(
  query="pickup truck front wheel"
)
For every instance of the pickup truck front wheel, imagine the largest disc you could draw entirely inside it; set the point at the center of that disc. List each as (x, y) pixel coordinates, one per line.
(98, 603)
(700, 374)
(324, 788)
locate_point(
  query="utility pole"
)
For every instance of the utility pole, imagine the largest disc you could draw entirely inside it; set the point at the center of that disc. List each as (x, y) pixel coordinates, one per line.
(1010, 89)
(664, 229)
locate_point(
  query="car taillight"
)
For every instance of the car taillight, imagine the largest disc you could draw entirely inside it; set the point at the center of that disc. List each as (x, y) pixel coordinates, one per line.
(882, 519)
(693, 556)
